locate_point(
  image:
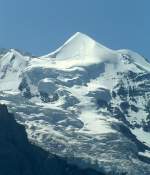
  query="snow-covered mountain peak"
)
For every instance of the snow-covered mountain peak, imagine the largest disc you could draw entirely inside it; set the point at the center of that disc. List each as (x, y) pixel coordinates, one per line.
(80, 38)
(12, 65)
(82, 100)
(79, 46)
(82, 50)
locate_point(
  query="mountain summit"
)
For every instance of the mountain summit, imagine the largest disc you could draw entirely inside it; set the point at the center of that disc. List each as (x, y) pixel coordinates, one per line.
(83, 102)
(81, 49)
(79, 46)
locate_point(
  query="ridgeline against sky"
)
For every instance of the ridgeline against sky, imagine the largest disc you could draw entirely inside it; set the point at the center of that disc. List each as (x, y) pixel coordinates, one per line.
(41, 26)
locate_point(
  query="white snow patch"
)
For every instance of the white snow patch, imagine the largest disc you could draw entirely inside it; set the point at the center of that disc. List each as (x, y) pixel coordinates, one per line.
(95, 123)
(146, 153)
(142, 136)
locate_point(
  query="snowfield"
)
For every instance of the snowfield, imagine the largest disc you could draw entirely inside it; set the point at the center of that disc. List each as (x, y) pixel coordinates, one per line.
(83, 101)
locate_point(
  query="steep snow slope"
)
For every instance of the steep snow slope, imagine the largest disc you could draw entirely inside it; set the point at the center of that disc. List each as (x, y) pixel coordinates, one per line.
(83, 101)
(79, 45)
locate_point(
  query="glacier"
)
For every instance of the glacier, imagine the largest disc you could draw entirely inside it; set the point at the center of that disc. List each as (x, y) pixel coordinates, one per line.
(84, 101)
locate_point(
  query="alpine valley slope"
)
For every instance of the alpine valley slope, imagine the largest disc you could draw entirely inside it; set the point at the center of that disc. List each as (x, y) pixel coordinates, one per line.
(84, 102)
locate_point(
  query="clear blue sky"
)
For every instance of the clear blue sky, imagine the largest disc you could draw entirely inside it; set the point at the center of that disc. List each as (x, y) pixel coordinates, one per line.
(40, 26)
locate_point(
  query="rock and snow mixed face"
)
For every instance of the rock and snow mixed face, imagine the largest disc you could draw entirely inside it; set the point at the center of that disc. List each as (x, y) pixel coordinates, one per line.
(83, 101)
(12, 64)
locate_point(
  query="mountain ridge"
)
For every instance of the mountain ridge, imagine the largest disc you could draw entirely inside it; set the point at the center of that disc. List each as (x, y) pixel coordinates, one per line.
(90, 103)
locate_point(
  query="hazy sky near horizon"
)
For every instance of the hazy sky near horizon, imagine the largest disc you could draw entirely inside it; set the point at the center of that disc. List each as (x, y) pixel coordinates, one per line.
(41, 26)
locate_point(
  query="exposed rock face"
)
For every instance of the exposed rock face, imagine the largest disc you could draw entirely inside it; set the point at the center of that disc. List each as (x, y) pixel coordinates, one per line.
(19, 157)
